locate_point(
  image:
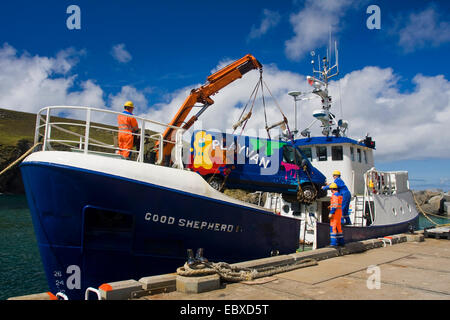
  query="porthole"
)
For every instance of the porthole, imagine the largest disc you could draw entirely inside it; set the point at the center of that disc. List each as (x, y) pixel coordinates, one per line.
(394, 211)
(402, 211)
(409, 207)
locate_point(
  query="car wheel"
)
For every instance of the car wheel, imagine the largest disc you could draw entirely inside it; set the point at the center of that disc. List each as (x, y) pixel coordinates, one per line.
(309, 193)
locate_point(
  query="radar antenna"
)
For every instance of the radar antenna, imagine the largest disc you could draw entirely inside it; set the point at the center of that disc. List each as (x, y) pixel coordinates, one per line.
(320, 84)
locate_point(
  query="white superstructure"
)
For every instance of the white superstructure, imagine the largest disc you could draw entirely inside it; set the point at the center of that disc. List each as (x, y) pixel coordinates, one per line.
(370, 189)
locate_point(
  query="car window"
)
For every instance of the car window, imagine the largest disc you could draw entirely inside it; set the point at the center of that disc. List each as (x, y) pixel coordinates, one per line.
(307, 152)
(291, 155)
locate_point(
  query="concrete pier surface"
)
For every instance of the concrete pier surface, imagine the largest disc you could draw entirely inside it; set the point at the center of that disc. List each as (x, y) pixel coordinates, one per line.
(398, 267)
(408, 270)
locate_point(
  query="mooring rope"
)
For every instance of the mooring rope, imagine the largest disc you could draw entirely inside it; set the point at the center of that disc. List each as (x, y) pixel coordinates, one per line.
(20, 158)
(231, 273)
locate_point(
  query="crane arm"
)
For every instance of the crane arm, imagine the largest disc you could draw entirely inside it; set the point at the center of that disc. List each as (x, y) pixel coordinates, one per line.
(216, 81)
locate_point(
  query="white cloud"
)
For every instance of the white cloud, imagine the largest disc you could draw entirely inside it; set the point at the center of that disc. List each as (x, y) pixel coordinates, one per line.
(91, 95)
(28, 83)
(405, 125)
(270, 20)
(422, 29)
(126, 93)
(120, 53)
(411, 125)
(311, 25)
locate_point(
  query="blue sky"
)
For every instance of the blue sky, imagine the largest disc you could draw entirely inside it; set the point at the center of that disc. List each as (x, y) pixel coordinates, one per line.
(153, 51)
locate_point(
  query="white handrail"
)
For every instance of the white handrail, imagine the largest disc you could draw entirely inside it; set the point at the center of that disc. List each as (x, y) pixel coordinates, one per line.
(160, 147)
(178, 163)
(383, 183)
(83, 141)
(107, 111)
(141, 142)
(47, 123)
(90, 289)
(62, 295)
(86, 137)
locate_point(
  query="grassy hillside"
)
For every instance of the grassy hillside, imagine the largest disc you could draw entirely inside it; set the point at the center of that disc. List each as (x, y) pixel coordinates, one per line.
(17, 136)
(15, 126)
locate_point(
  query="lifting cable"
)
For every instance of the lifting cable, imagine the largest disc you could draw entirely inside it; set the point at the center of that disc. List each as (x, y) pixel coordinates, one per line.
(279, 108)
(254, 92)
(264, 106)
(242, 120)
(300, 194)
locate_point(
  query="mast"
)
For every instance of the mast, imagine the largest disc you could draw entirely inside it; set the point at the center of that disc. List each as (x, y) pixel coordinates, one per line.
(320, 83)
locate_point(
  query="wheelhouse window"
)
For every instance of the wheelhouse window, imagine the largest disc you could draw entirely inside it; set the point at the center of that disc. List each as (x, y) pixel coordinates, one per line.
(359, 154)
(291, 155)
(307, 152)
(321, 153)
(352, 153)
(337, 153)
(365, 156)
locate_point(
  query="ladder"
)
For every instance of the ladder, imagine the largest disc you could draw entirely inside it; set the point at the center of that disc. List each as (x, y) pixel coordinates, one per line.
(359, 210)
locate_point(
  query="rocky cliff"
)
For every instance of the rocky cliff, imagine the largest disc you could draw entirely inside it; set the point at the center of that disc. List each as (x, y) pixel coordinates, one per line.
(11, 180)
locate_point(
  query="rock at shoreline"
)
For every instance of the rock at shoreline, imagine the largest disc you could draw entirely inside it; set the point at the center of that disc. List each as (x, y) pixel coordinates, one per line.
(437, 203)
(433, 202)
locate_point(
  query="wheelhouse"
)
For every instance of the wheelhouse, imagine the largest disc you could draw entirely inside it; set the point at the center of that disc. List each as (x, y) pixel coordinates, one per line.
(353, 158)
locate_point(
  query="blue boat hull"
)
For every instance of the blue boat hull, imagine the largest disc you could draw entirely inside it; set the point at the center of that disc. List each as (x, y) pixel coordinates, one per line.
(352, 233)
(93, 228)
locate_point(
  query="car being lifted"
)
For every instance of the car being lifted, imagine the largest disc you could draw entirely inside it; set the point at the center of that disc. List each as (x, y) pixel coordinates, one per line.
(255, 164)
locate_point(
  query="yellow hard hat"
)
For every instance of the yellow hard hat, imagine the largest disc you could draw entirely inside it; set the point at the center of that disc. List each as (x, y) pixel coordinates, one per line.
(333, 186)
(129, 104)
(336, 173)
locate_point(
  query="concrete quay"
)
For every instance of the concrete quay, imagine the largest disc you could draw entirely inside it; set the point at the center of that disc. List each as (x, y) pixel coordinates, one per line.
(398, 267)
(418, 270)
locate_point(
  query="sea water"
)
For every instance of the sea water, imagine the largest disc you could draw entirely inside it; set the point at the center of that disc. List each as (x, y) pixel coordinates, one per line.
(21, 269)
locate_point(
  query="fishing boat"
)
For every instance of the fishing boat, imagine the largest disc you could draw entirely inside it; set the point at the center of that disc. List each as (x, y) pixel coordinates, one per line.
(381, 203)
(99, 218)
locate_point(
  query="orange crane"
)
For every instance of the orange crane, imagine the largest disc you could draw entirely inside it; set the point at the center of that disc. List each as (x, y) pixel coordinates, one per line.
(216, 81)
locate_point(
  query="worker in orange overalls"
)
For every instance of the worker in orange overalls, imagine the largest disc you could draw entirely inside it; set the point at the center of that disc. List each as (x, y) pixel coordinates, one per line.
(127, 126)
(336, 235)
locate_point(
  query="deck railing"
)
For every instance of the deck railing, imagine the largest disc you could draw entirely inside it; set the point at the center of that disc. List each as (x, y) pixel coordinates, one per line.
(382, 183)
(59, 133)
